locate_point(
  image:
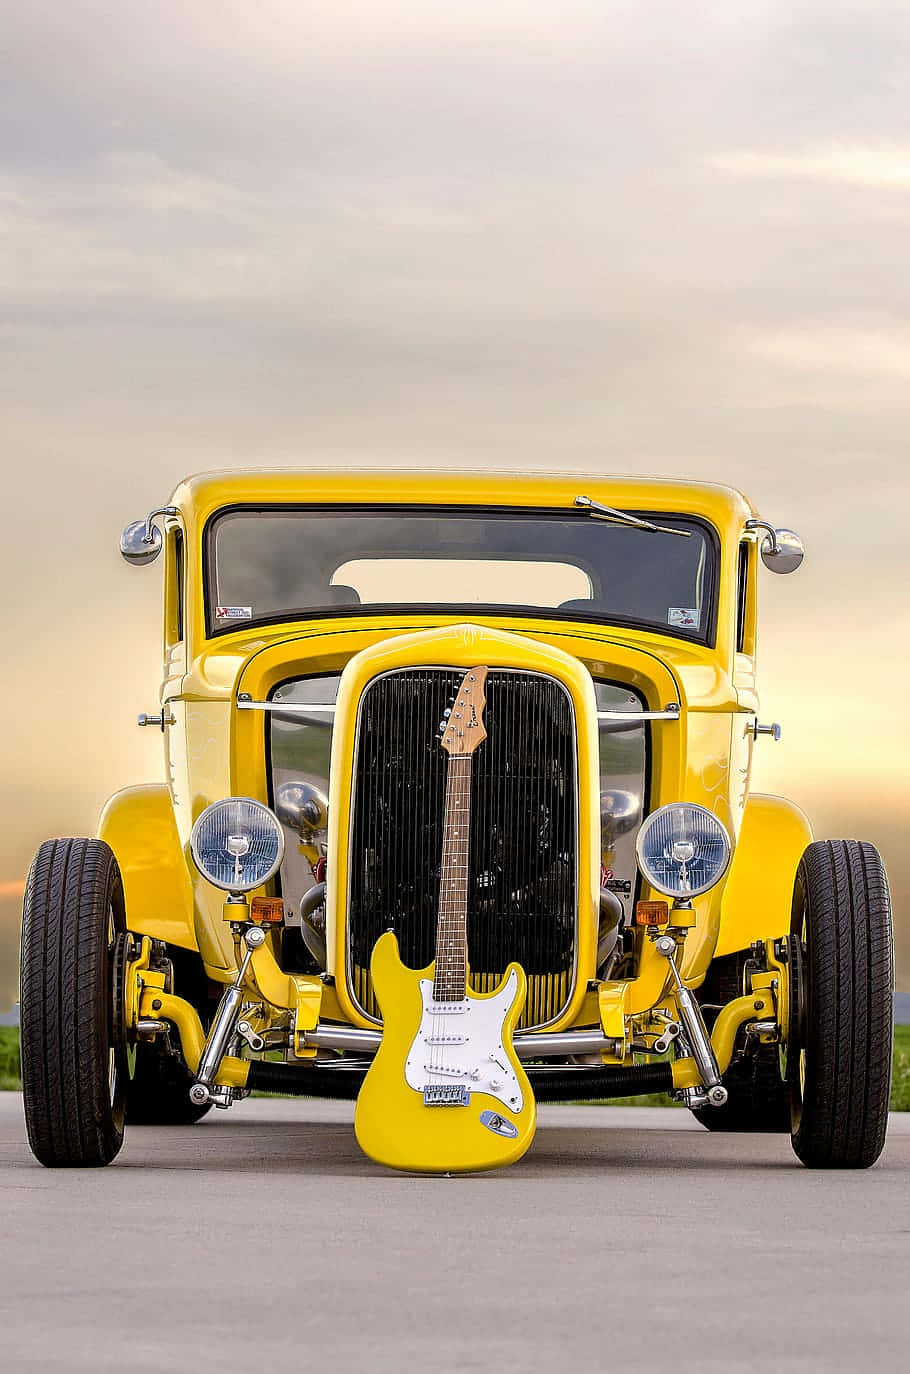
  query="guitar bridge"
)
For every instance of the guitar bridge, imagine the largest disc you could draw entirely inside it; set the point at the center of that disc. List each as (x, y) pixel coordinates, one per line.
(446, 1095)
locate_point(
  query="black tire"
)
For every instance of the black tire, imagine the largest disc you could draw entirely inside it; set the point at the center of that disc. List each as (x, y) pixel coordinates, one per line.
(74, 1070)
(158, 1093)
(840, 1078)
(758, 1098)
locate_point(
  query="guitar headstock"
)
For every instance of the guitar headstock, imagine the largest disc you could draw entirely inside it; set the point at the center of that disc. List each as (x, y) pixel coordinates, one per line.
(464, 728)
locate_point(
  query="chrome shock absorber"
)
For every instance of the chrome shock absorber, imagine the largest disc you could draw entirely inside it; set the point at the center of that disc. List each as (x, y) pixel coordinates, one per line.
(715, 1094)
(222, 1029)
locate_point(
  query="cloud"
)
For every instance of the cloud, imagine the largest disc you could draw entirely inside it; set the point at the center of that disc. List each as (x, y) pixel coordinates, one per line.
(877, 167)
(144, 181)
(883, 352)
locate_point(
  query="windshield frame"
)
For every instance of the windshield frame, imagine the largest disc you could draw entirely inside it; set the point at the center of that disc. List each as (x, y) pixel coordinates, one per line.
(706, 636)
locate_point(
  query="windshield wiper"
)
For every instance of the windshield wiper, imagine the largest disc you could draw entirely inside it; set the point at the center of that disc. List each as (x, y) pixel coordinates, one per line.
(621, 517)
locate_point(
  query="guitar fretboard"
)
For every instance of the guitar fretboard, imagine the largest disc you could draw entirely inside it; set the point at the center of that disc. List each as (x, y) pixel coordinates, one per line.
(450, 980)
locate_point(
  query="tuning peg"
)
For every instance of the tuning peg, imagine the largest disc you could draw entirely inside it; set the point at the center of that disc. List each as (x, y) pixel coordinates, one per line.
(447, 712)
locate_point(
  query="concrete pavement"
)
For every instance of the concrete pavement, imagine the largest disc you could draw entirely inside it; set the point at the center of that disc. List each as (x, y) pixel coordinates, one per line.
(627, 1238)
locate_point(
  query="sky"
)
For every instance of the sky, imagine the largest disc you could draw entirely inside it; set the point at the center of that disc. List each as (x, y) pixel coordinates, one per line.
(621, 237)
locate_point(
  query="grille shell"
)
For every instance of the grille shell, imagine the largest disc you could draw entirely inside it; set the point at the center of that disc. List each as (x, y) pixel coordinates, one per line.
(523, 880)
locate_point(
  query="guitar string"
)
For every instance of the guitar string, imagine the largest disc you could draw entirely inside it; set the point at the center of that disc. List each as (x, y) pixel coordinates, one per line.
(453, 867)
(452, 908)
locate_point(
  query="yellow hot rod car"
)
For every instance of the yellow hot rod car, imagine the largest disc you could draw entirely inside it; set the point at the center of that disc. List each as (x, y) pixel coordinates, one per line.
(668, 930)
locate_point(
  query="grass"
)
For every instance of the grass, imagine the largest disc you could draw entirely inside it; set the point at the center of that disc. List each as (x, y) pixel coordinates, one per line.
(9, 1059)
(649, 1100)
(900, 1082)
(900, 1086)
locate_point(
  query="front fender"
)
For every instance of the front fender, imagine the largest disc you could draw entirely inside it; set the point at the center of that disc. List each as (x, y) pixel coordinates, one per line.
(138, 824)
(759, 890)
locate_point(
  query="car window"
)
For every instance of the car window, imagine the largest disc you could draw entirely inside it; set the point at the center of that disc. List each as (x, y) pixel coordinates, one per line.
(742, 595)
(480, 580)
(282, 563)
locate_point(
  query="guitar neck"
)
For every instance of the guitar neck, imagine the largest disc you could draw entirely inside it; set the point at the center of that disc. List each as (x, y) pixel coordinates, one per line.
(451, 976)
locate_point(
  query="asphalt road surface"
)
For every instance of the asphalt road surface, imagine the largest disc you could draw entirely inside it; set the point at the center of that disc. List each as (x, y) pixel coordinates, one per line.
(627, 1239)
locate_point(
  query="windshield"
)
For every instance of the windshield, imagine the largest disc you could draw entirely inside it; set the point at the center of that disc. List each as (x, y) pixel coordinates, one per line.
(287, 563)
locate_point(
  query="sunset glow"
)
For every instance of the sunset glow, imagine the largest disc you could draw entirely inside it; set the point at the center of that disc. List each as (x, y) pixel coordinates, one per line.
(581, 236)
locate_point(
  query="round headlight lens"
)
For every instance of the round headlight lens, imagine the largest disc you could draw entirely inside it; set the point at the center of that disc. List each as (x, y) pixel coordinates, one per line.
(237, 844)
(682, 849)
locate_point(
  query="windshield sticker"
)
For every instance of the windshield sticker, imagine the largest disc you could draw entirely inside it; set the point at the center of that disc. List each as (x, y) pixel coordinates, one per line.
(685, 617)
(233, 613)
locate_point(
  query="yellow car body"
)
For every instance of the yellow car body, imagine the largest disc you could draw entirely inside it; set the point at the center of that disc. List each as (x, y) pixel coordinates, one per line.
(583, 897)
(214, 749)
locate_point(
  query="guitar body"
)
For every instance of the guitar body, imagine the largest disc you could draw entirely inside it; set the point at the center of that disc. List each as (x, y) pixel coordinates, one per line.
(446, 1092)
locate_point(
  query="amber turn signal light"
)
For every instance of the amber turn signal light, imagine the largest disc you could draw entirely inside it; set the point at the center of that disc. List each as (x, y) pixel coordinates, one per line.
(268, 910)
(649, 913)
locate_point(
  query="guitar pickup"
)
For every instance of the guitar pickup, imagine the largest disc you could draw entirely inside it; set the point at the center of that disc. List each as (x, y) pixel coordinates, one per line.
(446, 1095)
(446, 1040)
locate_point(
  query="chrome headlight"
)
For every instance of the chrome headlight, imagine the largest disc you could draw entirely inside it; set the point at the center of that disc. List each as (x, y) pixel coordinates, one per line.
(237, 844)
(682, 849)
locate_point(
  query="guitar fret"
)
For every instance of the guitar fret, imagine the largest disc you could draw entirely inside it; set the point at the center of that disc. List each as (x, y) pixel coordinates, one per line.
(450, 979)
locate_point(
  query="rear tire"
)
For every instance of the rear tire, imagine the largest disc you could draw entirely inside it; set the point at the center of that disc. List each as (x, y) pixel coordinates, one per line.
(74, 1064)
(159, 1091)
(840, 1077)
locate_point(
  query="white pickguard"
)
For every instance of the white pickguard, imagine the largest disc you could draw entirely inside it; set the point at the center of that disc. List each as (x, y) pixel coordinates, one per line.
(461, 1043)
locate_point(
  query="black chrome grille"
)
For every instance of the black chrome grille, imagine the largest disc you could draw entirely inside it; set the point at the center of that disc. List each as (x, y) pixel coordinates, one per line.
(522, 885)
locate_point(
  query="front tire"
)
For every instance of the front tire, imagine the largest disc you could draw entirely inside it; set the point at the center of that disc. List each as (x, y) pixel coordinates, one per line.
(74, 1064)
(840, 1076)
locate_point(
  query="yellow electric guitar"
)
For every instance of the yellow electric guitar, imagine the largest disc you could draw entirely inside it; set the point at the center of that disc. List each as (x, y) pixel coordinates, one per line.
(446, 1092)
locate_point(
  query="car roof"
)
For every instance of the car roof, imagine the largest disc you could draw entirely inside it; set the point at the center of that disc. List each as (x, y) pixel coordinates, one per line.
(207, 492)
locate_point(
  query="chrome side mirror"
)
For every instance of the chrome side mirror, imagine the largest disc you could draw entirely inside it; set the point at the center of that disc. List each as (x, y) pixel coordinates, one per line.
(136, 548)
(141, 541)
(781, 550)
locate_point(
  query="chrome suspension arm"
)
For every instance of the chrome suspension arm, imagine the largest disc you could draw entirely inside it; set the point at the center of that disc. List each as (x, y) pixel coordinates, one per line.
(696, 1030)
(224, 1024)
